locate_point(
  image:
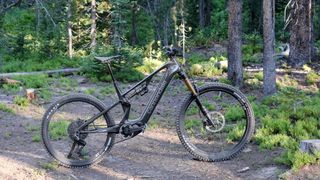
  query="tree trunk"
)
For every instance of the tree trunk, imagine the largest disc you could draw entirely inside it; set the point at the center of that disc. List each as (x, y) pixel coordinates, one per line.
(38, 12)
(70, 36)
(235, 70)
(201, 14)
(134, 36)
(204, 13)
(301, 39)
(269, 64)
(93, 32)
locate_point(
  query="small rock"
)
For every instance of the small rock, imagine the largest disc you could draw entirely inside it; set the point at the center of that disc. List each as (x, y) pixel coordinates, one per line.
(243, 170)
(82, 80)
(246, 150)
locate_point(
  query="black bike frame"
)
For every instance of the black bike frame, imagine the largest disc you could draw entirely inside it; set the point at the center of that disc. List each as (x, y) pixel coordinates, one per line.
(171, 68)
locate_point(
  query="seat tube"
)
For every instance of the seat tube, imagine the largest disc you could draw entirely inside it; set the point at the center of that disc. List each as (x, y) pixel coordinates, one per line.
(114, 82)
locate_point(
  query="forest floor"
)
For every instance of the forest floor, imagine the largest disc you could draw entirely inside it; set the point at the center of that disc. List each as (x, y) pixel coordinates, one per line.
(155, 154)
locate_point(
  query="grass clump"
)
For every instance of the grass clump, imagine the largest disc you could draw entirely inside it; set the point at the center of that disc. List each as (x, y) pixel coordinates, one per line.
(36, 138)
(108, 90)
(21, 101)
(5, 108)
(58, 129)
(50, 166)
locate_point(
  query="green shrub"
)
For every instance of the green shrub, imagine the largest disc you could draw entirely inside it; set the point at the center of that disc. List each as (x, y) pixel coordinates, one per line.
(34, 81)
(301, 159)
(67, 83)
(286, 81)
(123, 69)
(205, 70)
(312, 78)
(258, 76)
(11, 88)
(197, 58)
(236, 133)
(21, 101)
(290, 116)
(149, 65)
(234, 113)
(275, 125)
(225, 80)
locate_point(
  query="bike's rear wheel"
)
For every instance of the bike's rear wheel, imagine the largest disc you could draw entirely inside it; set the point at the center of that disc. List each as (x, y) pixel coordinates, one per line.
(62, 120)
(232, 119)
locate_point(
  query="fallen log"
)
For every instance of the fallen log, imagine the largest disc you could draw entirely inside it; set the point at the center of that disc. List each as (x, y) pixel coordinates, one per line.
(9, 81)
(256, 70)
(65, 72)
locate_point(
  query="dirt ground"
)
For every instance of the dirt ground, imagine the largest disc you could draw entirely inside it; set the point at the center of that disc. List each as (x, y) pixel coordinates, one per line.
(155, 154)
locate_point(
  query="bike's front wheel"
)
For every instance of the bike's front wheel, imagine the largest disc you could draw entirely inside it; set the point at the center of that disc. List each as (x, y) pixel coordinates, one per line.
(227, 130)
(60, 131)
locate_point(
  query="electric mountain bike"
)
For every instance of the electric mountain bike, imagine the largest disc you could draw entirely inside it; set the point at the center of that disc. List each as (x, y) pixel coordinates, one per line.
(215, 121)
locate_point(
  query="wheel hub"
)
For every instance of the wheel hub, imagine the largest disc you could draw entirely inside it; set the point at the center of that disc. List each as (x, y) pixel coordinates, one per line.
(218, 121)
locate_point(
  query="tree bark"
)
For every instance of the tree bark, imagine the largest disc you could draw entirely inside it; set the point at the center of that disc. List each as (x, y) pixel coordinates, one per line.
(93, 32)
(70, 36)
(269, 64)
(134, 36)
(235, 69)
(301, 38)
(204, 13)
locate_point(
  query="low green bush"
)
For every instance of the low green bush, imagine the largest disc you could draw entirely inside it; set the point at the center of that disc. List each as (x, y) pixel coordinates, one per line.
(285, 120)
(21, 101)
(312, 78)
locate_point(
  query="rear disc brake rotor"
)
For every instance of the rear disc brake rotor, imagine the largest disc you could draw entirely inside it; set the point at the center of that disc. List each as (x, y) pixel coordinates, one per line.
(74, 126)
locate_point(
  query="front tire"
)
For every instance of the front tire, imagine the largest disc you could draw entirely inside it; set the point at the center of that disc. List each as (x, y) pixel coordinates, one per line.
(60, 122)
(233, 123)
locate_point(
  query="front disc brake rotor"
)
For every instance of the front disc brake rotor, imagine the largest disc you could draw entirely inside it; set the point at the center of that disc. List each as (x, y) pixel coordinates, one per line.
(218, 122)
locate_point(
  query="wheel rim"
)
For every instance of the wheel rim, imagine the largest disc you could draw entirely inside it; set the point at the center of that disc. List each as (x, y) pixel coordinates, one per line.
(62, 121)
(230, 119)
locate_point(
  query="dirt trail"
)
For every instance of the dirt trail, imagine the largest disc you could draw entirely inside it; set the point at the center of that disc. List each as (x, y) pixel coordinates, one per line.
(156, 154)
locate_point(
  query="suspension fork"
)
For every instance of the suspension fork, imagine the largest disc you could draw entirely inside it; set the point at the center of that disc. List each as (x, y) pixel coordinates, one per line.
(192, 88)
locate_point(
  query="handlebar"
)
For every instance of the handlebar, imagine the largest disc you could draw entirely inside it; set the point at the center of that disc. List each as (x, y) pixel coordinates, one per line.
(173, 51)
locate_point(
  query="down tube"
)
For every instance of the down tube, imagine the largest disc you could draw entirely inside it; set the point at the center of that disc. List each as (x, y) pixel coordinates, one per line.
(156, 96)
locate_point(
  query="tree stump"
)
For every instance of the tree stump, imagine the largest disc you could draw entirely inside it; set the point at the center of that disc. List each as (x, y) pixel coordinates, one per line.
(31, 94)
(310, 146)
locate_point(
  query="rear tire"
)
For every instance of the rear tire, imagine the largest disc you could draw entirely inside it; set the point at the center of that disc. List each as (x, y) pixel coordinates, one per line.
(233, 130)
(65, 115)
